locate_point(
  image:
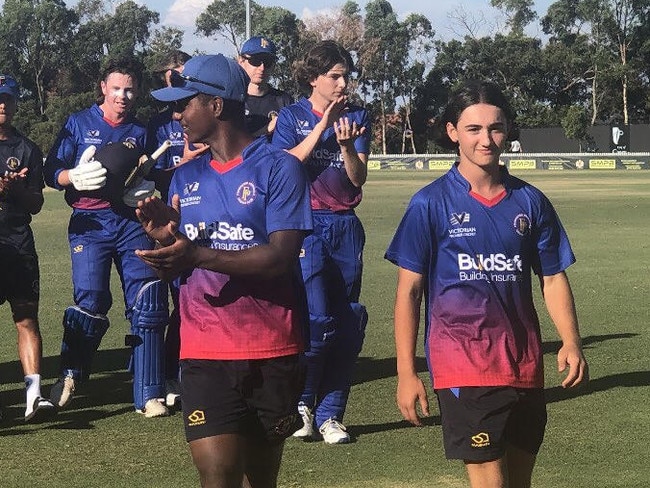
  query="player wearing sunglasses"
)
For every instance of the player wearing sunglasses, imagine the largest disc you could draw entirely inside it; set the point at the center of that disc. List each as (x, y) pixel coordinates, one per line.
(258, 58)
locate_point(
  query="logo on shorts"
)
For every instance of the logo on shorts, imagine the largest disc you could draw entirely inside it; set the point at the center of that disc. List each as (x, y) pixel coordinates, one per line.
(522, 224)
(481, 439)
(246, 193)
(197, 417)
(13, 163)
(78, 249)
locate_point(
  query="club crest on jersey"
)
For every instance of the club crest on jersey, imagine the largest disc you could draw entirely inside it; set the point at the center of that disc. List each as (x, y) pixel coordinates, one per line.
(522, 224)
(459, 218)
(246, 193)
(13, 163)
(176, 136)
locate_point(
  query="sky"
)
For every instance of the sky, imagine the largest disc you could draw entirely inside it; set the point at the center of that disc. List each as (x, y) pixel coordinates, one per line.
(443, 14)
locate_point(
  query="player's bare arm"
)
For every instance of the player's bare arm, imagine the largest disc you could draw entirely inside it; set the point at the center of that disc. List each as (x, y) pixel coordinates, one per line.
(561, 308)
(179, 253)
(411, 392)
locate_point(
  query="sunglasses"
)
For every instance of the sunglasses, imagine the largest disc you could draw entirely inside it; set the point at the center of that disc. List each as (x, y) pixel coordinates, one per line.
(256, 61)
(179, 80)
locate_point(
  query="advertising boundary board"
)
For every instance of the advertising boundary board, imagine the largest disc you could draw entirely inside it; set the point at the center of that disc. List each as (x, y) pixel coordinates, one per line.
(522, 161)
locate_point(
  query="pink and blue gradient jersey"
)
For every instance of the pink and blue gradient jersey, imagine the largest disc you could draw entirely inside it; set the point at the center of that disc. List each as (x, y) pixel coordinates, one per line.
(476, 258)
(232, 207)
(331, 188)
(82, 129)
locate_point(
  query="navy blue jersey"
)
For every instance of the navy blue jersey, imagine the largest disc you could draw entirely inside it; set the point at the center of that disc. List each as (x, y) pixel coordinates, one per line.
(260, 110)
(234, 206)
(331, 189)
(83, 129)
(17, 153)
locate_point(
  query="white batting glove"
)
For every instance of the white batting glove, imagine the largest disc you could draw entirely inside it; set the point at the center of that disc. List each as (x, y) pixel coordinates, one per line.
(138, 192)
(88, 174)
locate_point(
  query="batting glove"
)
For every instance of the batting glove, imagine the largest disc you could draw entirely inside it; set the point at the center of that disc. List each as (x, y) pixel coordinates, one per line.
(138, 192)
(89, 174)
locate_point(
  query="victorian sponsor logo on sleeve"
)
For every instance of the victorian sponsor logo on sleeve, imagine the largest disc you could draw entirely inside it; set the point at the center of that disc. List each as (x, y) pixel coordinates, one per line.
(459, 221)
(188, 197)
(92, 137)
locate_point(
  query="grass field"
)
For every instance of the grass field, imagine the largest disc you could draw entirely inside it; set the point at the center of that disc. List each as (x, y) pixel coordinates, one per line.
(596, 437)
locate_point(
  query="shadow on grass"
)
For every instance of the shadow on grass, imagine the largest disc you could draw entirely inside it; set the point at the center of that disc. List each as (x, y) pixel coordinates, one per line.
(621, 380)
(110, 385)
(361, 430)
(106, 360)
(551, 347)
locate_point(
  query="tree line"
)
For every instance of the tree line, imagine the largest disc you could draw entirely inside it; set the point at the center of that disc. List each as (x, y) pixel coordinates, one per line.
(592, 67)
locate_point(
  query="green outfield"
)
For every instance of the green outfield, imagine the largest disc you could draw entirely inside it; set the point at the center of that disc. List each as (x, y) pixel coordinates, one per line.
(596, 437)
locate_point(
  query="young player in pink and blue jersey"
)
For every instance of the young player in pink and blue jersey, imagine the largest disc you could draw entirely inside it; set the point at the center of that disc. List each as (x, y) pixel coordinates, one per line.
(232, 237)
(467, 244)
(332, 139)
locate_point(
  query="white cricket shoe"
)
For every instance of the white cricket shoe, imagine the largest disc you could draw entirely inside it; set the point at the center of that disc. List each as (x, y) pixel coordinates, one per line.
(334, 432)
(307, 429)
(154, 408)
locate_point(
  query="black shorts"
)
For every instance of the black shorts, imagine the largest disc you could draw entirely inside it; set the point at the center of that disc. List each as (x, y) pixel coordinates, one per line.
(478, 423)
(254, 398)
(19, 281)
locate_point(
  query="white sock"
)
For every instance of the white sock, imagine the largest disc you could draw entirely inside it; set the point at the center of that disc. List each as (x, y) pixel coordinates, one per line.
(33, 386)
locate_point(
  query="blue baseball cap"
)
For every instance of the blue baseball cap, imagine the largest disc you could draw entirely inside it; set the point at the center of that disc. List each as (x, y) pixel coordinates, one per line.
(214, 75)
(9, 85)
(258, 45)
